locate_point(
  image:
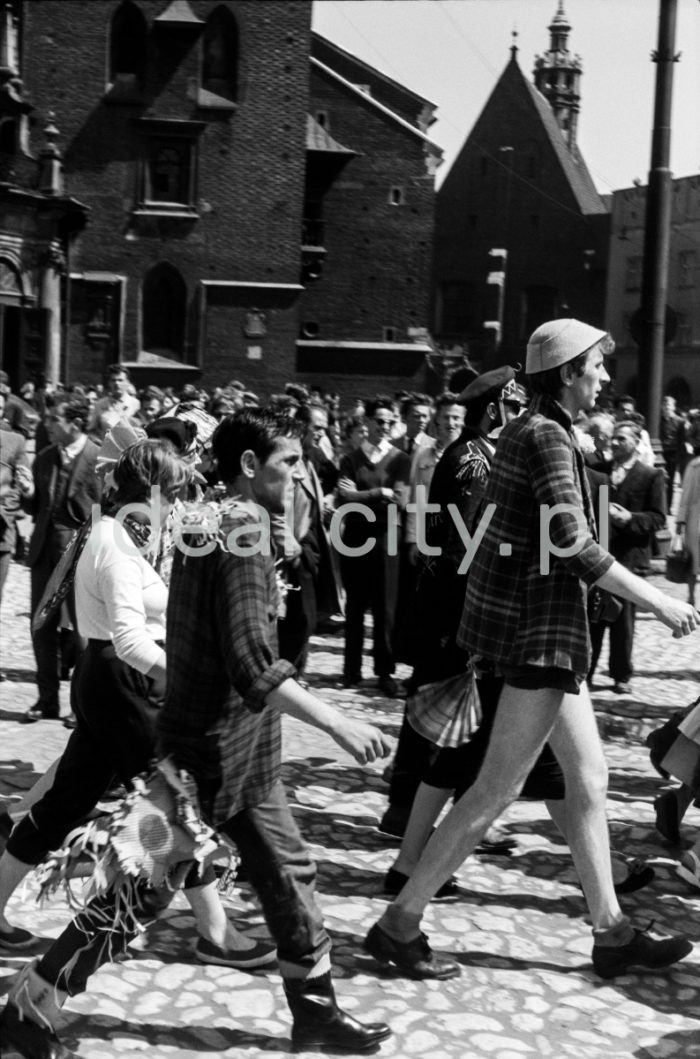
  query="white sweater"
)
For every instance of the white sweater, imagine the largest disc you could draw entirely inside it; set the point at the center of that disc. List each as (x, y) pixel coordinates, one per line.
(120, 597)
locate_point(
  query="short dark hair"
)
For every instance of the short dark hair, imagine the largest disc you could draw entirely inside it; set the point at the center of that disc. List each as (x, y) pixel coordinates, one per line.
(73, 408)
(382, 400)
(446, 398)
(145, 464)
(117, 369)
(625, 398)
(257, 429)
(414, 399)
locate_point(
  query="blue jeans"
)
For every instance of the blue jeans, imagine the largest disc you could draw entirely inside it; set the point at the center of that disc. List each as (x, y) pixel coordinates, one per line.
(280, 870)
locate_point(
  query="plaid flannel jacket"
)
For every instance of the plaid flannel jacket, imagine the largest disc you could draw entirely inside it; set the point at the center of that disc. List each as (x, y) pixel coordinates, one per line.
(515, 613)
(221, 644)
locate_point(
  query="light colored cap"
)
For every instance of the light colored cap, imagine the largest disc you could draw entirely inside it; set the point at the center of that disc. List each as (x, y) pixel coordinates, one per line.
(558, 342)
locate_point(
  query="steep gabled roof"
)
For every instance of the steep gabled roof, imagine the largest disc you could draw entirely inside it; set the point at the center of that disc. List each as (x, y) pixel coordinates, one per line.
(572, 162)
(357, 71)
(515, 96)
(430, 147)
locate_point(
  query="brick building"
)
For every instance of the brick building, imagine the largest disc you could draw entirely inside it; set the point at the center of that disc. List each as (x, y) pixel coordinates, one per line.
(372, 209)
(520, 187)
(202, 213)
(681, 378)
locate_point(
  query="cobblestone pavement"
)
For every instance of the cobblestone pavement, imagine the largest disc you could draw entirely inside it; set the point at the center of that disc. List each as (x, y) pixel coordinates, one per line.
(520, 933)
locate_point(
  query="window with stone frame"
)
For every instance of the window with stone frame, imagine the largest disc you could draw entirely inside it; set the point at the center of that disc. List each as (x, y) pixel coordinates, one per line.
(168, 169)
(220, 54)
(164, 311)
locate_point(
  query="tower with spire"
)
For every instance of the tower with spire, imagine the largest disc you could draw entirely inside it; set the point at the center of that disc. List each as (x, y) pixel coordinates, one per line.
(557, 75)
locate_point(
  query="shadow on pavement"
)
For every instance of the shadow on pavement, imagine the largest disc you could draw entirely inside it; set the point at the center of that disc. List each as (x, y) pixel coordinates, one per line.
(20, 676)
(193, 1040)
(682, 1042)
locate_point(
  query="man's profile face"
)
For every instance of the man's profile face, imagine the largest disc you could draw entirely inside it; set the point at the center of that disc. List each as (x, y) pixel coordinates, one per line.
(318, 425)
(273, 478)
(589, 382)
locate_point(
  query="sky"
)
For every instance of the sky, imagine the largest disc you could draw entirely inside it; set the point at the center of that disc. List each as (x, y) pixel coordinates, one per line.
(452, 52)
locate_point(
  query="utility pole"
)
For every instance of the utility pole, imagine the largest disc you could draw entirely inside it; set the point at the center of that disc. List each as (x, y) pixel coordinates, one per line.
(657, 231)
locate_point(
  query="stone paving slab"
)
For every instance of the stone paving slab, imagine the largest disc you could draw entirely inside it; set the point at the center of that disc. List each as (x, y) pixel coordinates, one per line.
(519, 931)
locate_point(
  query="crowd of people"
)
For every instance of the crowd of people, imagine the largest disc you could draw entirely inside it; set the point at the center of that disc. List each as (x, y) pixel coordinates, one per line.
(494, 533)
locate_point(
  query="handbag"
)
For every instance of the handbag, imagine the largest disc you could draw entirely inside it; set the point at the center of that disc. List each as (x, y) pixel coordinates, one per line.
(153, 837)
(446, 712)
(678, 565)
(602, 605)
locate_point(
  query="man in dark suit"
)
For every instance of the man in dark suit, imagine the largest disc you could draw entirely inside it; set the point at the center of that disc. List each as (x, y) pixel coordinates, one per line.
(637, 509)
(65, 488)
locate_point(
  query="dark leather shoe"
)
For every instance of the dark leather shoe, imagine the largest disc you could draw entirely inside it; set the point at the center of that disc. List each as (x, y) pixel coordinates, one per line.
(351, 680)
(642, 953)
(413, 958)
(70, 721)
(40, 713)
(320, 1024)
(20, 1037)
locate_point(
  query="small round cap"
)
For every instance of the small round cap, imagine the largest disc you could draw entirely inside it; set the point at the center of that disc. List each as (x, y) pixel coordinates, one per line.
(558, 342)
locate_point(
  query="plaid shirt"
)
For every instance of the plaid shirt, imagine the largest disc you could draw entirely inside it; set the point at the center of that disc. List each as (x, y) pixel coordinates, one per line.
(221, 645)
(514, 613)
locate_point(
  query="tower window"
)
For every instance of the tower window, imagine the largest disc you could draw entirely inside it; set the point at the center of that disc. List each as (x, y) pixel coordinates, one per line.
(397, 196)
(388, 334)
(323, 119)
(220, 47)
(127, 45)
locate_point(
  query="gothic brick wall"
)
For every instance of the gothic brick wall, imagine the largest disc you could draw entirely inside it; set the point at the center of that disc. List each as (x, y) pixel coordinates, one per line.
(245, 218)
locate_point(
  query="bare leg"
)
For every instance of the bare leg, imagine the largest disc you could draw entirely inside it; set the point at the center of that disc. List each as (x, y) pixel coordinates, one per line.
(522, 725)
(12, 872)
(211, 920)
(427, 806)
(576, 744)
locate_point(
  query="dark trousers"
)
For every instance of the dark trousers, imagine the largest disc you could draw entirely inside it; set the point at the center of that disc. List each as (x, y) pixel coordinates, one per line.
(371, 582)
(46, 641)
(299, 622)
(114, 737)
(419, 761)
(280, 870)
(621, 643)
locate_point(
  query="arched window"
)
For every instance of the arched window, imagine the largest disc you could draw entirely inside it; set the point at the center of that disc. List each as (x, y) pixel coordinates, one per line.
(127, 44)
(164, 311)
(220, 54)
(10, 281)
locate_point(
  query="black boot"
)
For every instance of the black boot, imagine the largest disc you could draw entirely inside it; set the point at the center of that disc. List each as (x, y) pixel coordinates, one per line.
(20, 1037)
(319, 1022)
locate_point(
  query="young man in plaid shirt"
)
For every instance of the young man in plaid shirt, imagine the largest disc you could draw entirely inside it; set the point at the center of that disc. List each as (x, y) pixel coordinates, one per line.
(525, 618)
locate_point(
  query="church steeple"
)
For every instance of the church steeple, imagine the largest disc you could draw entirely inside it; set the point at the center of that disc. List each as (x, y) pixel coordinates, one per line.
(557, 74)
